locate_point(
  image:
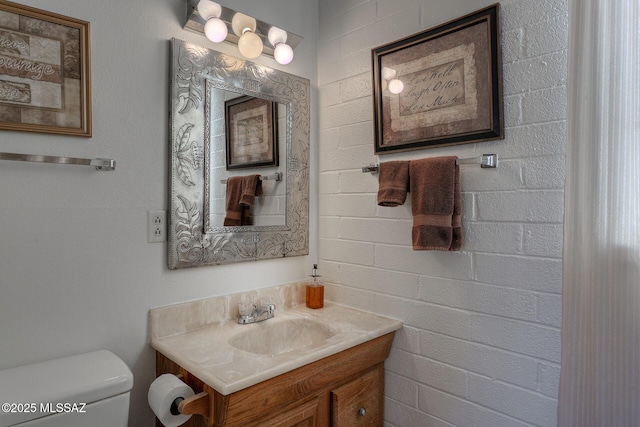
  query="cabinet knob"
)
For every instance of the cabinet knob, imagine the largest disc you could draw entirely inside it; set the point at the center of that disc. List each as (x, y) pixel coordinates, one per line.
(362, 412)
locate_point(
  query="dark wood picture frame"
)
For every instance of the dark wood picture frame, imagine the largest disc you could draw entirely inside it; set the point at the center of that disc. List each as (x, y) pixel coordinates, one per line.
(45, 71)
(439, 87)
(251, 132)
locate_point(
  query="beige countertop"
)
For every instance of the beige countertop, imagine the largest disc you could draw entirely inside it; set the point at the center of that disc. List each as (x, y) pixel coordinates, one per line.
(202, 346)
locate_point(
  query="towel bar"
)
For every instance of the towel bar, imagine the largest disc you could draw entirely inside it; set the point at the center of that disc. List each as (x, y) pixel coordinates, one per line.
(100, 164)
(485, 161)
(276, 177)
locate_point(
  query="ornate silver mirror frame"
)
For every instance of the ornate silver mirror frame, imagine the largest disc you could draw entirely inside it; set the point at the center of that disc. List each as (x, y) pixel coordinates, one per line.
(194, 69)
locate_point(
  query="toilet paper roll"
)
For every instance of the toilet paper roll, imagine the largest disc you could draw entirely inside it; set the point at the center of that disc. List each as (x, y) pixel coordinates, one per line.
(162, 392)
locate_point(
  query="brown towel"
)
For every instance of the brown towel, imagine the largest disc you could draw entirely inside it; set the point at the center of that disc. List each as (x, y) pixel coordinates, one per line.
(393, 183)
(436, 204)
(241, 194)
(251, 187)
(234, 208)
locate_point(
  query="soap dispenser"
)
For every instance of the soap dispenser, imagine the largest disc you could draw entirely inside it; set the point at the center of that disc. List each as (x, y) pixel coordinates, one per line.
(315, 290)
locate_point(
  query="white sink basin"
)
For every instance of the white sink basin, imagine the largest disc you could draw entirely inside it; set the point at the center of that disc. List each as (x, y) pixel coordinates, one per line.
(276, 336)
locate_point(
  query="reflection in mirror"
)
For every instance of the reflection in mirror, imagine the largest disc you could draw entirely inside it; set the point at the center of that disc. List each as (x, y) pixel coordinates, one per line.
(230, 118)
(260, 153)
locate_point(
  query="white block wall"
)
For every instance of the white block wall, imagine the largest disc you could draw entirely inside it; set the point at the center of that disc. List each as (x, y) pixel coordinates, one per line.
(481, 339)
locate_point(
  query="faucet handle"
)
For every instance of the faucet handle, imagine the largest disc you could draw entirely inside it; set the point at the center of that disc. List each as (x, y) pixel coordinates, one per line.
(266, 303)
(245, 308)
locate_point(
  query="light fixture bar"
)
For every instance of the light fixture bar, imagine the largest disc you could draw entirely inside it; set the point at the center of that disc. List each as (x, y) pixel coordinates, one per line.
(195, 23)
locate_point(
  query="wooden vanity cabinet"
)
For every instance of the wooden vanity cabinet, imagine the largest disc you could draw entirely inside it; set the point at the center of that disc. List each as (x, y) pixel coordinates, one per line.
(342, 390)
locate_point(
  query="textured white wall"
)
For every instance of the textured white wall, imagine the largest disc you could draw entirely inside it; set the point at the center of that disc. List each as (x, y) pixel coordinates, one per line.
(76, 271)
(481, 342)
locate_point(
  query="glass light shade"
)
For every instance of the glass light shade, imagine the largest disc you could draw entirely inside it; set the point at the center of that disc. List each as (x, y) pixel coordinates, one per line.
(250, 45)
(208, 9)
(240, 22)
(396, 86)
(388, 73)
(216, 30)
(283, 53)
(276, 35)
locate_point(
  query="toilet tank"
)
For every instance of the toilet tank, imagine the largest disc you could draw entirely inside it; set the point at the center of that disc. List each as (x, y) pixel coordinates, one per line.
(90, 389)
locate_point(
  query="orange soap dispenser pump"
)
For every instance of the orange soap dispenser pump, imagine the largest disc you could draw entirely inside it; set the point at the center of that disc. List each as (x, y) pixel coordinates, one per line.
(315, 290)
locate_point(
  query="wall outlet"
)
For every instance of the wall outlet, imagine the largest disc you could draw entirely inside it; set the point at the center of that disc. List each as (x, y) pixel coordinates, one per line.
(156, 226)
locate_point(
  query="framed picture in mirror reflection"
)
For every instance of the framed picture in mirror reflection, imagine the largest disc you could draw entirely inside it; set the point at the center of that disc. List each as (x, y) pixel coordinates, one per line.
(251, 130)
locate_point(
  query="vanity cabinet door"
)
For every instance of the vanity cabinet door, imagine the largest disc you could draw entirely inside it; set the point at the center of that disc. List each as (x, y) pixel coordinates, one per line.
(300, 416)
(359, 402)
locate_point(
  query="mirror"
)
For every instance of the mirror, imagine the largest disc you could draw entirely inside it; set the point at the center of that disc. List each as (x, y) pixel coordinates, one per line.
(229, 118)
(245, 138)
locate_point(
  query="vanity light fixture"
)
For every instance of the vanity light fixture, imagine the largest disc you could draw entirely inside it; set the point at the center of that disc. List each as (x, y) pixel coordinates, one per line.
(252, 36)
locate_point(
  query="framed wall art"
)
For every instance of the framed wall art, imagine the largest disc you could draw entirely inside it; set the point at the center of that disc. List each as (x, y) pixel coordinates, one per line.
(442, 86)
(251, 130)
(45, 78)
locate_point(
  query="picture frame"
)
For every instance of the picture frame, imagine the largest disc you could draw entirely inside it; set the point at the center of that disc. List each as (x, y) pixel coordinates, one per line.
(440, 87)
(251, 132)
(45, 71)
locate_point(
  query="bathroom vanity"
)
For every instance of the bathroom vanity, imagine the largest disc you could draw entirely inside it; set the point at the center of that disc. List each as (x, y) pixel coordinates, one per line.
(301, 368)
(340, 390)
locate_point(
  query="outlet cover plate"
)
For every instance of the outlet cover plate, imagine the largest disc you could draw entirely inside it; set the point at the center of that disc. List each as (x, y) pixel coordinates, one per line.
(156, 226)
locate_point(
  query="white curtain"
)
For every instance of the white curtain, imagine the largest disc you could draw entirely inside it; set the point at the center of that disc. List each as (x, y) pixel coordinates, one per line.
(600, 373)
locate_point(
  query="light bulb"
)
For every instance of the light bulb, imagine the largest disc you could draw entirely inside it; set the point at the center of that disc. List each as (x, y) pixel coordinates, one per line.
(216, 30)
(250, 45)
(208, 9)
(396, 86)
(283, 53)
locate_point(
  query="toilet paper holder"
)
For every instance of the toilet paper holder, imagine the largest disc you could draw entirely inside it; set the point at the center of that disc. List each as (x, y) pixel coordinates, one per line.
(198, 404)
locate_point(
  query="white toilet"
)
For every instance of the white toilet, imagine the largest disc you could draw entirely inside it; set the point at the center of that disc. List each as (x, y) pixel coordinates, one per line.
(90, 389)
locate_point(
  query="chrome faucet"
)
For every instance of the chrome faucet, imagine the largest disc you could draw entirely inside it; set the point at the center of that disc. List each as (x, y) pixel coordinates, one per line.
(252, 313)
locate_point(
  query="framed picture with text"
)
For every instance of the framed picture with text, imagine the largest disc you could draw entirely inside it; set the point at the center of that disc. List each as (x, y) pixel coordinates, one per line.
(440, 87)
(45, 72)
(251, 131)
